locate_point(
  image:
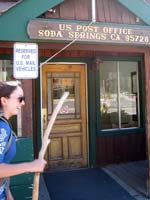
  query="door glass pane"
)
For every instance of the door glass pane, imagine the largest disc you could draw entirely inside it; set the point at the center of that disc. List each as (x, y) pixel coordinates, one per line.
(58, 83)
(108, 95)
(128, 94)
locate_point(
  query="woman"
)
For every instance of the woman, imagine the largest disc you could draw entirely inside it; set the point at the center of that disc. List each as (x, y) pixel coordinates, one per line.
(11, 101)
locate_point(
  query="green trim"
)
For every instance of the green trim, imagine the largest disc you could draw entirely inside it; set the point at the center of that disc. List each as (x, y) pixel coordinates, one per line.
(18, 31)
(38, 110)
(6, 57)
(21, 14)
(100, 132)
(141, 91)
(23, 182)
(91, 116)
(121, 131)
(124, 58)
(24, 150)
(140, 8)
(22, 191)
(98, 119)
(62, 59)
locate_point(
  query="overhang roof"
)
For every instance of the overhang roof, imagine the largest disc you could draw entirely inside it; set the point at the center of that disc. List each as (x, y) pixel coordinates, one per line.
(141, 8)
(21, 14)
(6, 5)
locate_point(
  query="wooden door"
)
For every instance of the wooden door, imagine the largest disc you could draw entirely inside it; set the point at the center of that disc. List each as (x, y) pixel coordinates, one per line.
(68, 146)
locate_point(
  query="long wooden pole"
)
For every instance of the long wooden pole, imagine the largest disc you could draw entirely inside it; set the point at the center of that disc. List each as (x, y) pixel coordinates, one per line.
(45, 142)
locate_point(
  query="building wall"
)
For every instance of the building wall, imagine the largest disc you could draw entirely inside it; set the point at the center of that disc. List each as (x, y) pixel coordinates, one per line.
(106, 11)
(104, 149)
(109, 149)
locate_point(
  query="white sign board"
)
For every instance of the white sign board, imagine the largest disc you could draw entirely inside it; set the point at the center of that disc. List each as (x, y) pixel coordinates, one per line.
(25, 63)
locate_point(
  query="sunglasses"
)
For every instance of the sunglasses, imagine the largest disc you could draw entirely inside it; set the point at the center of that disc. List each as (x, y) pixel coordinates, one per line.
(20, 99)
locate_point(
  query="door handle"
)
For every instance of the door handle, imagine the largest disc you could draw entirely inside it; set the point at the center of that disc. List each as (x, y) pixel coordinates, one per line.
(44, 119)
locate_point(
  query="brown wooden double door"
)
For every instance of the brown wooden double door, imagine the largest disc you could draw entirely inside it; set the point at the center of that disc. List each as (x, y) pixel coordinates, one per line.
(68, 147)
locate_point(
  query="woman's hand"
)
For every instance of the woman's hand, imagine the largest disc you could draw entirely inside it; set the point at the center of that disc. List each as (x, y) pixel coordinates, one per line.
(37, 165)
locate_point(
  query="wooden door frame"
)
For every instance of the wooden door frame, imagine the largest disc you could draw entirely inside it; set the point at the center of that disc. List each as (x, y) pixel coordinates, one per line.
(86, 99)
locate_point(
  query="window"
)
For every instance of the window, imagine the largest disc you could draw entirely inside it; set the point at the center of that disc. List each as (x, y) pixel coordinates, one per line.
(57, 84)
(119, 95)
(6, 74)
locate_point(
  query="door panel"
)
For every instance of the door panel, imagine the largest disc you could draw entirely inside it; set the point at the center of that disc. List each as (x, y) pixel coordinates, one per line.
(68, 146)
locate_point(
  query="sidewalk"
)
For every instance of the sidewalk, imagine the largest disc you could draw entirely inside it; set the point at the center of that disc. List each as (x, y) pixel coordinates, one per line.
(87, 184)
(75, 181)
(43, 193)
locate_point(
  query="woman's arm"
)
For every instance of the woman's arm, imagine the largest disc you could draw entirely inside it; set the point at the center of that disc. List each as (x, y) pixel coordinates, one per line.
(7, 170)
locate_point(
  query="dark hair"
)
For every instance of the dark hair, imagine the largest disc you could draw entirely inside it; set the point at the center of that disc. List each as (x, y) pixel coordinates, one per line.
(7, 87)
